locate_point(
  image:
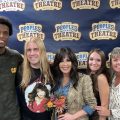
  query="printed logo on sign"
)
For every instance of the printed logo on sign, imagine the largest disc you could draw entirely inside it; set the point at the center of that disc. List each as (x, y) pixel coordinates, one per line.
(12, 5)
(47, 5)
(85, 4)
(50, 57)
(103, 30)
(108, 61)
(82, 59)
(114, 3)
(30, 30)
(66, 31)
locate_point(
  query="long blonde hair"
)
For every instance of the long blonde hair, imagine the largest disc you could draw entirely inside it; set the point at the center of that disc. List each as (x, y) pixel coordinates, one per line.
(44, 65)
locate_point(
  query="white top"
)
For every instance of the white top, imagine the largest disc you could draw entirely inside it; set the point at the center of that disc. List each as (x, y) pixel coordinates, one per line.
(114, 105)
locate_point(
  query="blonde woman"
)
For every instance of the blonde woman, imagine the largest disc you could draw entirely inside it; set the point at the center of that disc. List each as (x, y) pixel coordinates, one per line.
(114, 106)
(35, 71)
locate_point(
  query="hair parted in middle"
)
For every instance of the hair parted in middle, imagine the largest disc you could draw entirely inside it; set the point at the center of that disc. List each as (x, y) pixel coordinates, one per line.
(103, 69)
(103, 60)
(44, 64)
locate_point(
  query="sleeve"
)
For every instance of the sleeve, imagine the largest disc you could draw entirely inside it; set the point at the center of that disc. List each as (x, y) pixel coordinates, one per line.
(20, 58)
(88, 109)
(18, 76)
(88, 95)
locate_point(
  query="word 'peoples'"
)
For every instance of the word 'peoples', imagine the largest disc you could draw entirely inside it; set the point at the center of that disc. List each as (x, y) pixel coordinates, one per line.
(11, 4)
(85, 2)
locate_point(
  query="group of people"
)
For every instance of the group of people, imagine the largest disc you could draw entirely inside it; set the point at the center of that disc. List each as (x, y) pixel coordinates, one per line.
(26, 83)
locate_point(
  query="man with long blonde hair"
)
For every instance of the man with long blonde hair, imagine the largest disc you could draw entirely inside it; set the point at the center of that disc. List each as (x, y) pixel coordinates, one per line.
(35, 71)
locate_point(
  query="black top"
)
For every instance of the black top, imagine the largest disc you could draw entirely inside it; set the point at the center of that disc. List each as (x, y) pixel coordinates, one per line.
(9, 62)
(31, 111)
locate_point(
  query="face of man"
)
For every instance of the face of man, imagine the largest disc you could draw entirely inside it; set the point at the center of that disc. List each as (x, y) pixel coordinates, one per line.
(4, 35)
(33, 54)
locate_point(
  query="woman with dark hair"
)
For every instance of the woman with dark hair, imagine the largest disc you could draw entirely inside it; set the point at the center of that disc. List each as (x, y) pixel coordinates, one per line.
(76, 87)
(96, 68)
(38, 98)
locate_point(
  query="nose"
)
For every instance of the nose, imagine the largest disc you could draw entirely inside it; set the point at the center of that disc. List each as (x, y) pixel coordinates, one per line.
(32, 52)
(1, 34)
(118, 62)
(65, 62)
(94, 62)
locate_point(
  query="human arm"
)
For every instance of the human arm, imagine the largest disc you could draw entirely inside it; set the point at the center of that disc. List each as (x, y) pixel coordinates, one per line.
(88, 101)
(18, 76)
(114, 104)
(88, 95)
(86, 110)
(103, 89)
(115, 113)
(68, 116)
(103, 111)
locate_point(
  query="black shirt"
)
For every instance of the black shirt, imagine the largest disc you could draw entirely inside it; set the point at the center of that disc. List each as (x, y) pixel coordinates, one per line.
(26, 112)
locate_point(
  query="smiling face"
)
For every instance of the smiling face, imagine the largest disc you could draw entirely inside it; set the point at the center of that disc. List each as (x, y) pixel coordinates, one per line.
(33, 54)
(40, 93)
(115, 63)
(65, 66)
(4, 35)
(94, 62)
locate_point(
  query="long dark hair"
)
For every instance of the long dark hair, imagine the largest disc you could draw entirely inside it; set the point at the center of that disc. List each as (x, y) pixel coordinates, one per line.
(57, 74)
(33, 94)
(103, 69)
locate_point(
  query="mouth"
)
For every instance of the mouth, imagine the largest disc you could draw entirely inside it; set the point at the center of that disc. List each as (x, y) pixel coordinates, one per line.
(65, 68)
(2, 45)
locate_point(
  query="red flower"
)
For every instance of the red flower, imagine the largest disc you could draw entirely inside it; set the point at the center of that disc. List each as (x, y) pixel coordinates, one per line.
(58, 102)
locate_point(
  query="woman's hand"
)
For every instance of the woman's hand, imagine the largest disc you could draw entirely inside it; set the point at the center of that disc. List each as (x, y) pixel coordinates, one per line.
(102, 111)
(66, 116)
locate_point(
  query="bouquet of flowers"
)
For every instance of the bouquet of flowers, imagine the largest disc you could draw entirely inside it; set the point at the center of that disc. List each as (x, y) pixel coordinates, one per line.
(57, 103)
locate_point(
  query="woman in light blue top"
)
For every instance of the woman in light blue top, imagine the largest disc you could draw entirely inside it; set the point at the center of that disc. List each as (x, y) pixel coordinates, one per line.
(75, 86)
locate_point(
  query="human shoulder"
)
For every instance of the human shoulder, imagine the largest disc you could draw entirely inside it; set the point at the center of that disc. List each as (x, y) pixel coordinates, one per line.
(101, 78)
(12, 51)
(102, 82)
(85, 82)
(84, 78)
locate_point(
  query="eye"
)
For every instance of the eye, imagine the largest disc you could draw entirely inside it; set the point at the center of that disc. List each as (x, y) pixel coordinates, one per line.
(6, 33)
(114, 60)
(98, 60)
(36, 49)
(90, 59)
(68, 60)
(28, 50)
